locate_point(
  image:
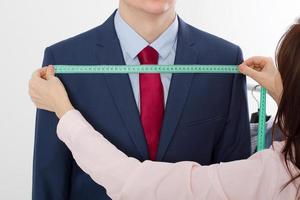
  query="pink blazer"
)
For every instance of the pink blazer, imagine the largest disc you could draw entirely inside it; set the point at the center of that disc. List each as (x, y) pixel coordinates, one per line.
(260, 177)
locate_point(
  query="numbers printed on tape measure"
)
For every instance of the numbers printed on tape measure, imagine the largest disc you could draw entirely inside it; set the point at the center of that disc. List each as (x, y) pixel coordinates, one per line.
(117, 69)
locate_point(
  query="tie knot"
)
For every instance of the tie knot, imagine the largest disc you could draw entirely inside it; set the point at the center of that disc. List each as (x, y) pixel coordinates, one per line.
(148, 56)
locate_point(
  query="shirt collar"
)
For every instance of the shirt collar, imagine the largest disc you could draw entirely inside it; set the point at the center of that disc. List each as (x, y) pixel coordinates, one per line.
(132, 43)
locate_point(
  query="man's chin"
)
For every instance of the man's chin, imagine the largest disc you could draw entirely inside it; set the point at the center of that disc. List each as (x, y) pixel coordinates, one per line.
(158, 8)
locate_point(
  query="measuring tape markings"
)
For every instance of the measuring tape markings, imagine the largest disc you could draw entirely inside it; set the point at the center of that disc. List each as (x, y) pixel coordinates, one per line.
(127, 69)
(262, 120)
(66, 69)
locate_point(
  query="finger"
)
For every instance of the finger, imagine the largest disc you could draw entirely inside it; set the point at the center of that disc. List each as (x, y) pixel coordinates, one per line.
(39, 72)
(248, 71)
(50, 72)
(256, 61)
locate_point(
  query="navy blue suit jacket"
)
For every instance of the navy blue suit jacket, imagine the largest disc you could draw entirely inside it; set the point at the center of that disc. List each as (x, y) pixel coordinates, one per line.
(206, 116)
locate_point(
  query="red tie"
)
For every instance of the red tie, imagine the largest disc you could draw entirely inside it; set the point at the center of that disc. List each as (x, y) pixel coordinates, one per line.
(152, 101)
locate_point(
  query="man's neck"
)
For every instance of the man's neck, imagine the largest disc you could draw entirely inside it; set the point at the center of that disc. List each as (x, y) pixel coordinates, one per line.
(149, 26)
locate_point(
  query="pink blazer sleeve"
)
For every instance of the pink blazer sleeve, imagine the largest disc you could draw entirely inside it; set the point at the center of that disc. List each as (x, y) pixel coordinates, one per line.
(259, 177)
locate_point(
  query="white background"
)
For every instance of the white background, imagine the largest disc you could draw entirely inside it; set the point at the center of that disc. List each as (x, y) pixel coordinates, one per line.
(28, 26)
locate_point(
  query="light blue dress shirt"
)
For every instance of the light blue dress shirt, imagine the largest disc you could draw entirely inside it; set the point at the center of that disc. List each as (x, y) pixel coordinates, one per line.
(132, 44)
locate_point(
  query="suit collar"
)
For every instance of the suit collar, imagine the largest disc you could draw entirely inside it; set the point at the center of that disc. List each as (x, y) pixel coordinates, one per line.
(107, 32)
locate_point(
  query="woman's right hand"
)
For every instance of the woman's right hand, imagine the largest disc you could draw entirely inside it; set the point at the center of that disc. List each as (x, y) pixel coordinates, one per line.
(47, 92)
(264, 71)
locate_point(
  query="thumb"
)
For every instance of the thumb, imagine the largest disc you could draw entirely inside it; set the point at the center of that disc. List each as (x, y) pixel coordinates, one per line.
(50, 72)
(248, 71)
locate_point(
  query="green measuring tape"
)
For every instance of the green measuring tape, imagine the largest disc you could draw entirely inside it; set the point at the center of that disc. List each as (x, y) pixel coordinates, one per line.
(127, 69)
(117, 69)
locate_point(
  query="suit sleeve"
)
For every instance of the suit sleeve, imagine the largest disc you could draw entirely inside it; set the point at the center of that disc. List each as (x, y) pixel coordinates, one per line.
(234, 144)
(52, 160)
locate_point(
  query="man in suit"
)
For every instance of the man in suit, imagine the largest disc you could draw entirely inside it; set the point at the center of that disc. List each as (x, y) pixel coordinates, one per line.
(164, 117)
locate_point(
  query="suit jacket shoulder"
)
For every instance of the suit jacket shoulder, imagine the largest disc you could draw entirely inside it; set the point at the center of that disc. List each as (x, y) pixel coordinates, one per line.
(80, 49)
(208, 44)
(66, 51)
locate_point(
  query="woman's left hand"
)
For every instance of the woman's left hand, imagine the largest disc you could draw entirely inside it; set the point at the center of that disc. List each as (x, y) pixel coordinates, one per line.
(47, 92)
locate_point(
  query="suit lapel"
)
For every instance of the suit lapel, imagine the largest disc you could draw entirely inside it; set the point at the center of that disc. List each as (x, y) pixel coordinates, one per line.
(179, 89)
(109, 53)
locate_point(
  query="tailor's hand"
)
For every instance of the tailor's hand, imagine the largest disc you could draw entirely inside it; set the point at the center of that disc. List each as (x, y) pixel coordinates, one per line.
(47, 92)
(264, 71)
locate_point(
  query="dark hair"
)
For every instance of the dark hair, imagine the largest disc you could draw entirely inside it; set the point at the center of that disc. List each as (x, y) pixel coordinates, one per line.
(288, 114)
